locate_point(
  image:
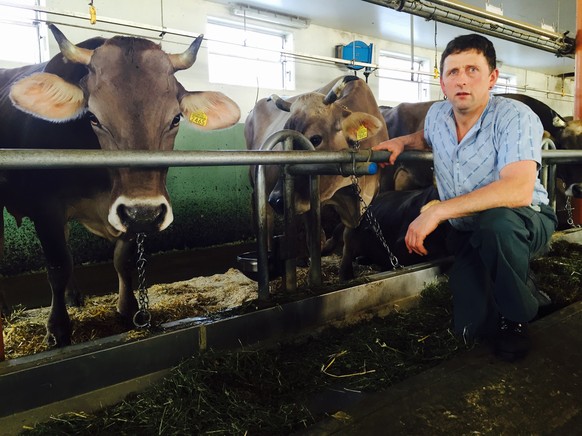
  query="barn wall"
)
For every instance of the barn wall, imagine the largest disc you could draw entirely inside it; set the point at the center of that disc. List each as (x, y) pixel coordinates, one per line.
(212, 204)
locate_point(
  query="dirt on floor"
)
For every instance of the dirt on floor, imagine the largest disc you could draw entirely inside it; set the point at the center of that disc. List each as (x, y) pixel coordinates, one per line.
(279, 390)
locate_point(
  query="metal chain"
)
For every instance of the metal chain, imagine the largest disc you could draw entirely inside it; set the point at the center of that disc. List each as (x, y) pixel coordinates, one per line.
(370, 216)
(142, 318)
(568, 207)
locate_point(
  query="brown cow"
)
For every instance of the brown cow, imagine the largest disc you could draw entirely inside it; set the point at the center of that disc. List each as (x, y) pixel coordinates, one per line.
(330, 118)
(113, 94)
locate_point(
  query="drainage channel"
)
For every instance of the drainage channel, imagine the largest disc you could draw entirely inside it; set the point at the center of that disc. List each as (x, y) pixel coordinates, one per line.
(97, 373)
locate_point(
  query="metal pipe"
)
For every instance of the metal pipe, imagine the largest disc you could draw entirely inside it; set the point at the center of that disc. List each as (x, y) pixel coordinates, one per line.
(102, 19)
(262, 233)
(315, 232)
(33, 158)
(495, 18)
(56, 159)
(290, 275)
(345, 169)
(505, 28)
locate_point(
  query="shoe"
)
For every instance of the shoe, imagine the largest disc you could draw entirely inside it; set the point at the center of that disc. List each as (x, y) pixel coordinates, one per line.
(512, 341)
(543, 298)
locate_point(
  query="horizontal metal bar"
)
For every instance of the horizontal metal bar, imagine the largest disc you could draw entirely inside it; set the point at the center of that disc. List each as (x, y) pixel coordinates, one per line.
(32, 158)
(344, 169)
(21, 159)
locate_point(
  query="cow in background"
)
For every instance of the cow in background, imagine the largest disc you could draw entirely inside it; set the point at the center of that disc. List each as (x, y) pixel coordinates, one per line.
(111, 94)
(566, 135)
(333, 118)
(406, 118)
(394, 211)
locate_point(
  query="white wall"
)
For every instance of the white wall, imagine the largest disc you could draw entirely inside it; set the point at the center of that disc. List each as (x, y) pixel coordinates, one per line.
(191, 16)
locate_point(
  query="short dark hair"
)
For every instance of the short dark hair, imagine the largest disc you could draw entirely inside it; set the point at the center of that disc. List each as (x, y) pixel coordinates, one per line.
(471, 42)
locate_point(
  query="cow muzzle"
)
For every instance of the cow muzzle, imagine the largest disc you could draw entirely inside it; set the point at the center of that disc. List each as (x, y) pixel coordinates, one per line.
(136, 215)
(574, 190)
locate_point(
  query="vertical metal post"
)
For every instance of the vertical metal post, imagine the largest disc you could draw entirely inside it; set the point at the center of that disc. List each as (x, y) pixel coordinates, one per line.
(548, 173)
(290, 274)
(314, 229)
(551, 186)
(262, 233)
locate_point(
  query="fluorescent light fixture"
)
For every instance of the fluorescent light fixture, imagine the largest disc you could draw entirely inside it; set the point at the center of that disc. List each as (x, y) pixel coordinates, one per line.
(249, 12)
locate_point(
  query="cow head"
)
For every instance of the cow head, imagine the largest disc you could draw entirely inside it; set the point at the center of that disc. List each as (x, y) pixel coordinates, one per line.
(132, 100)
(570, 139)
(330, 125)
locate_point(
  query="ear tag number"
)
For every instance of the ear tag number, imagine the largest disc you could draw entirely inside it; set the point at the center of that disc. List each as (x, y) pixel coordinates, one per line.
(362, 133)
(199, 118)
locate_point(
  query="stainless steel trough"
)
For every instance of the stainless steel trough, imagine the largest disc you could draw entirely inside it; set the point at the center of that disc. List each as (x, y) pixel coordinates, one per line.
(91, 375)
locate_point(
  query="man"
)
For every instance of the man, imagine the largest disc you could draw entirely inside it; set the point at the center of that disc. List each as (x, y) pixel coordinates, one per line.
(487, 154)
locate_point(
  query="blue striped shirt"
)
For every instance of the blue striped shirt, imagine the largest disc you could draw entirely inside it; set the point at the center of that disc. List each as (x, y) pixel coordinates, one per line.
(508, 131)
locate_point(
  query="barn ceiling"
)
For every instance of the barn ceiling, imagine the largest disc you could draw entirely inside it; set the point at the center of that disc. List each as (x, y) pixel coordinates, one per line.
(362, 17)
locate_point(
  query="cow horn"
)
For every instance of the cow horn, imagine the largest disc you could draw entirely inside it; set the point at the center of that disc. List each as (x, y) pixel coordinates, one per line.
(282, 104)
(69, 50)
(558, 121)
(337, 89)
(185, 60)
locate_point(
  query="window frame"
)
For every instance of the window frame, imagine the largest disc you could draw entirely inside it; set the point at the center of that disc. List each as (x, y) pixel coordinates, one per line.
(39, 31)
(419, 76)
(286, 63)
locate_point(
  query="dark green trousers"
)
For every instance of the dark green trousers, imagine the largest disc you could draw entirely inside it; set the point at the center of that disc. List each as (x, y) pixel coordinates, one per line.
(489, 274)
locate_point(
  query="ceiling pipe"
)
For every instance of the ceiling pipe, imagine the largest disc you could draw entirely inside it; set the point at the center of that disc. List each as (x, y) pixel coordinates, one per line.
(478, 20)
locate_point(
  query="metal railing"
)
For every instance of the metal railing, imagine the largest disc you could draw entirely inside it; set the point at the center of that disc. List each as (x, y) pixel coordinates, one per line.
(304, 162)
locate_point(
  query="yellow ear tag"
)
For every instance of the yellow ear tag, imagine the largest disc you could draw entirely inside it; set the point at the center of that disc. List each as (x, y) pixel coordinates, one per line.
(362, 133)
(199, 118)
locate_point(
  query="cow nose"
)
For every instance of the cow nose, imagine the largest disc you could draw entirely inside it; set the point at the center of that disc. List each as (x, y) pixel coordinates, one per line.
(277, 203)
(142, 218)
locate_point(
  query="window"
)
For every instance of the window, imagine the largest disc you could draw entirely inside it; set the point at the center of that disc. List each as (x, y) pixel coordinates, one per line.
(248, 57)
(398, 82)
(22, 25)
(505, 83)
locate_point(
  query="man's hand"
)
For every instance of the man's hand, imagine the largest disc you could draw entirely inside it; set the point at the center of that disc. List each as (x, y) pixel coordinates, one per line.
(414, 141)
(394, 146)
(421, 227)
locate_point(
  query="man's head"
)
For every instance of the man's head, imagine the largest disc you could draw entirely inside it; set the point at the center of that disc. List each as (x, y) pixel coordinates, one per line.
(471, 42)
(468, 73)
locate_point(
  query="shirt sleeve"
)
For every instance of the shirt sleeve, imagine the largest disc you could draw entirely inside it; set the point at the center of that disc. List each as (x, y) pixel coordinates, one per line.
(519, 134)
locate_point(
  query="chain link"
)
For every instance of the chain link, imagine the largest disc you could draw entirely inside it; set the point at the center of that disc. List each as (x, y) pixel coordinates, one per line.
(142, 318)
(568, 208)
(367, 213)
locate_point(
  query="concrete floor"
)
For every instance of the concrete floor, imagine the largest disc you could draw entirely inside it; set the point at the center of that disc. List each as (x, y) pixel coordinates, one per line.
(476, 394)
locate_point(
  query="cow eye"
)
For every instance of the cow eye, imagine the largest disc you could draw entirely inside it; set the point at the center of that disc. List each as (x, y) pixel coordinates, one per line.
(93, 119)
(316, 140)
(176, 121)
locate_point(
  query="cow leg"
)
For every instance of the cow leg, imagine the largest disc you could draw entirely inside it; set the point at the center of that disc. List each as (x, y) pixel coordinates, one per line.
(346, 271)
(59, 268)
(123, 260)
(73, 297)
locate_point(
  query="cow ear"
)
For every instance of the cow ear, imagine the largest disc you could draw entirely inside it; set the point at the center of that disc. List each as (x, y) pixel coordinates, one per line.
(49, 97)
(209, 110)
(359, 126)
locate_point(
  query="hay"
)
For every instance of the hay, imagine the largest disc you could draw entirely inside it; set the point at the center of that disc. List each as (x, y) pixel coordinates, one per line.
(25, 329)
(279, 390)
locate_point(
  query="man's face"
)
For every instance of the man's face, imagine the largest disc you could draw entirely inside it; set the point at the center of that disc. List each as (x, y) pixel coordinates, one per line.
(466, 80)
